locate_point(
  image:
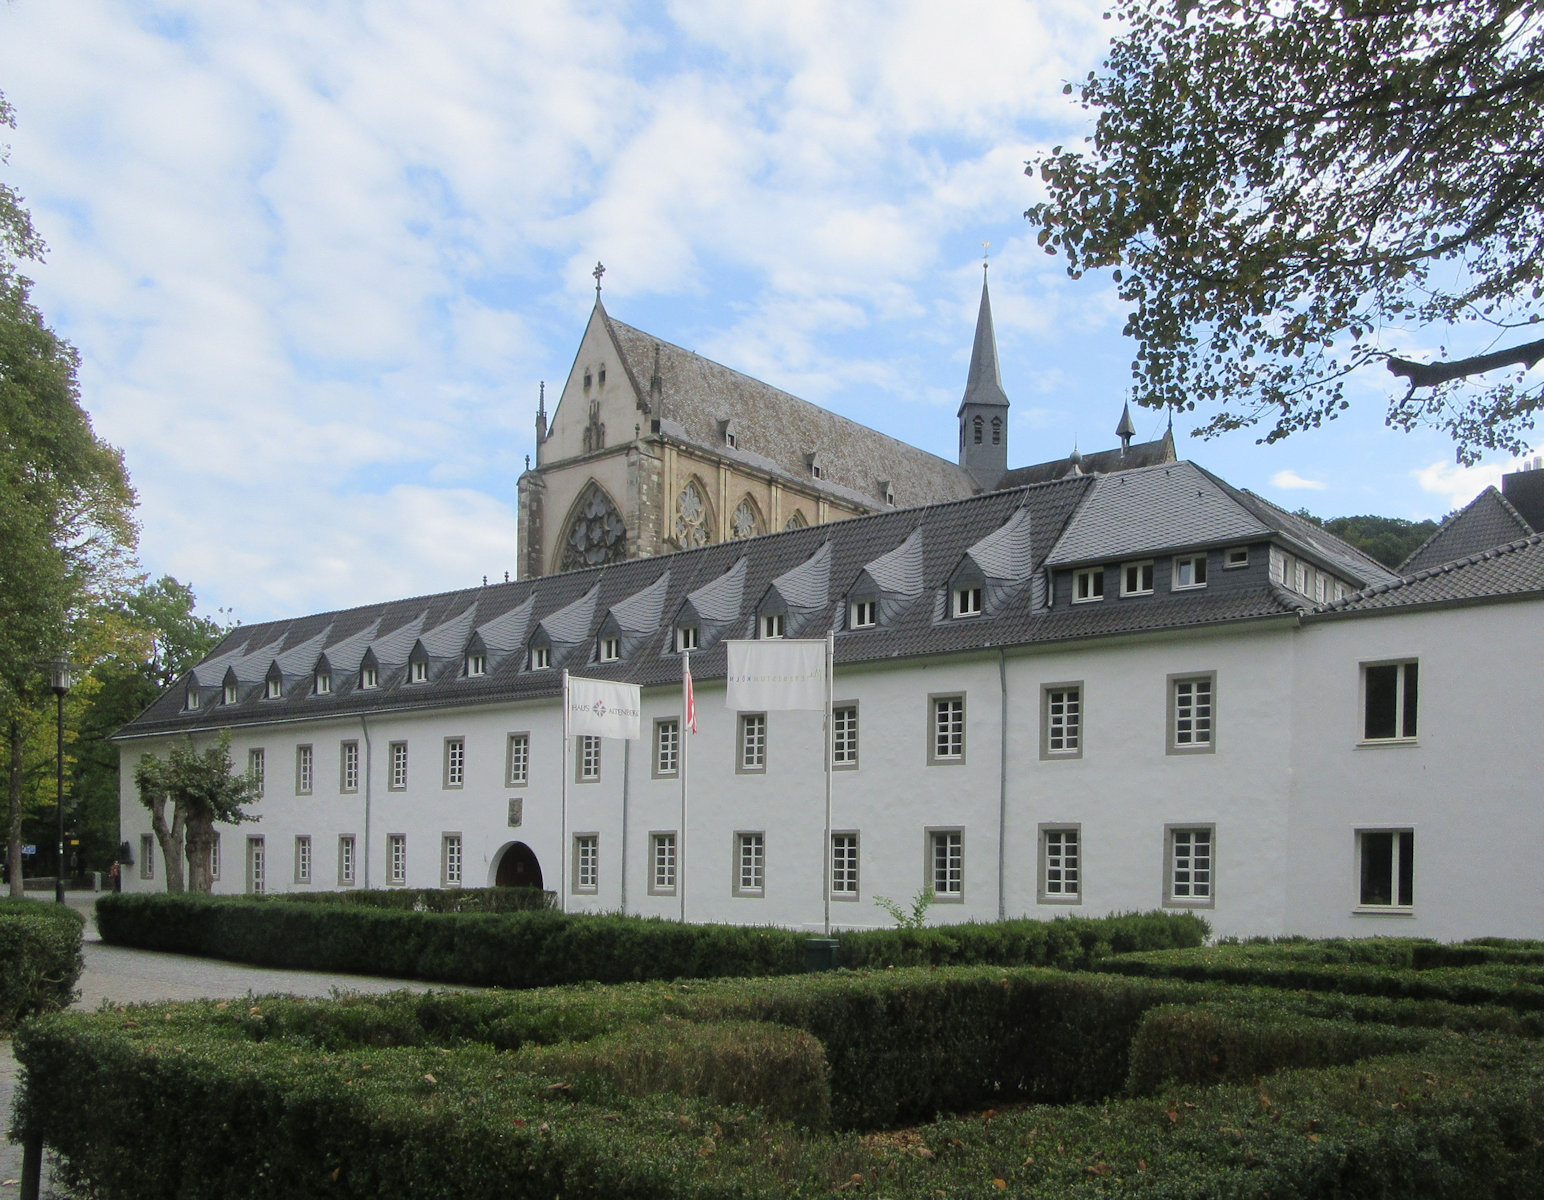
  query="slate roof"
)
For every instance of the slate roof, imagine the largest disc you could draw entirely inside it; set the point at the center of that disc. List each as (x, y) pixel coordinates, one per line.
(1515, 569)
(1100, 462)
(913, 553)
(691, 396)
(1487, 520)
(984, 382)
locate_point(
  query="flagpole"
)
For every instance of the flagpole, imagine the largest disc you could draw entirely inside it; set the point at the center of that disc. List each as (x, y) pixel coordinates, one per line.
(563, 807)
(830, 732)
(685, 740)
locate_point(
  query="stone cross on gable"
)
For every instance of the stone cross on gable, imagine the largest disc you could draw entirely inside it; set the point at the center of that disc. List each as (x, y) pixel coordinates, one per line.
(598, 272)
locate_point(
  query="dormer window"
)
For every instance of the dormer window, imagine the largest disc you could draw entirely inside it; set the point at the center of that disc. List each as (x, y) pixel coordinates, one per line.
(685, 638)
(541, 658)
(324, 683)
(730, 432)
(772, 625)
(369, 677)
(192, 701)
(476, 664)
(817, 465)
(1234, 557)
(863, 614)
(230, 692)
(273, 687)
(610, 649)
(967, 601)
(1087, 585)
(887, 492)
(1136, 578)
(1189, 572)
(418, 670)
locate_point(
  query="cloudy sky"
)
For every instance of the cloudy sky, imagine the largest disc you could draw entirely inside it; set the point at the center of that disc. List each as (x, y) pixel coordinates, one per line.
(317, 255)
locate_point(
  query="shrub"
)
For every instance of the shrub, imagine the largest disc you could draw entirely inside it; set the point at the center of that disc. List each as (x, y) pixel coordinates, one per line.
(40, 958)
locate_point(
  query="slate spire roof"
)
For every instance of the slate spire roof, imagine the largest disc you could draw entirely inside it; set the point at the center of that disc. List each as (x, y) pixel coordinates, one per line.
(984, 384)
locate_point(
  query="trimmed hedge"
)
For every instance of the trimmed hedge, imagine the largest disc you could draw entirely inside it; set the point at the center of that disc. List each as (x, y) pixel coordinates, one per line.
(545, 948)
(40, 958)
(442, 900)
(410, 1095)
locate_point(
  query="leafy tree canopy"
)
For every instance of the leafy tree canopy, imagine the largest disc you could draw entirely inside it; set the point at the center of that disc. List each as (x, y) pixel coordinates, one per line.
(1389, 540)
(1290, 192)
(201, 789)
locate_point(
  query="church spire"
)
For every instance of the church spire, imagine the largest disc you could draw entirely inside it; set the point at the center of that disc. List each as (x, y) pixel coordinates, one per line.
(1127, 428)
(983, 414)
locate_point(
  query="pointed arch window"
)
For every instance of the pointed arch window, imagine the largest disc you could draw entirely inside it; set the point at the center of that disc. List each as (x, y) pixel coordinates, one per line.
(796, 521)
(746, 522)
(976, 427)
(595, 533)
(997, 431)
(694, 520)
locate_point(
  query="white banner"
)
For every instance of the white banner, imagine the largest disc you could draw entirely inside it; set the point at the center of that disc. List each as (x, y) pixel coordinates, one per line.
(776, 674)
(604, 709)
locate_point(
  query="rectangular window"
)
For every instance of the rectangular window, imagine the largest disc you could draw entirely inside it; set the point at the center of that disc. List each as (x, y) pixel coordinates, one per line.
(667, 748)
(1189, 572)
(844, 736)
(230, 693)
(303, 859)
(348, 767)
(369, 677)
(967, 602)
(586, 862)
(192, 696)
(476, 664)
(750, 859)
(1136, 578)
(685, 638)
(753, 743)
(946, 863)
(1061, 864)
(450, 860)
(844, 866)
(455, 762)
(1191, 713)
(587, 766)
(1389, 693)
(418, 671)
(214, 855)
(257, 866)
(303, 770)
(516, 811)
(256, 770)
(1061, 721)
(610, 649)
(517, 760)
(946, 743)
(662, 864)
(1190, 873)
(273, 688)
(398, 778)
(541, 658)
(863, 614)
(396, 858)
(147, 856)
(1386, 864)
(346, 860)
(1234, 557)
(323, 683)
(772, 625)
(1088, 585)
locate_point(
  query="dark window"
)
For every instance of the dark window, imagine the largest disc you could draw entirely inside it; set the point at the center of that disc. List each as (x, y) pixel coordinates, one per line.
(1388, 868)
(1391, 692)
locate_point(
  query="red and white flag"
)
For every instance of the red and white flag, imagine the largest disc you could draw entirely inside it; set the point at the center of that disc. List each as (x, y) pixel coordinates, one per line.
(691, 697)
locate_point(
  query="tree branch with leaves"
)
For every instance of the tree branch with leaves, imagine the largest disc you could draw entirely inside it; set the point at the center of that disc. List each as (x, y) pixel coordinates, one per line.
(201, 789)
(1289, 194)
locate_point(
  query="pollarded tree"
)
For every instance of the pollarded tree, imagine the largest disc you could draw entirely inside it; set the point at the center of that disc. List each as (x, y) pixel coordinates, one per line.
(1289, 192)
(201, 788)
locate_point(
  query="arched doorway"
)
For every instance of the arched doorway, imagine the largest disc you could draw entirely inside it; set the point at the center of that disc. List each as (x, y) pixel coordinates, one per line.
(517, 867)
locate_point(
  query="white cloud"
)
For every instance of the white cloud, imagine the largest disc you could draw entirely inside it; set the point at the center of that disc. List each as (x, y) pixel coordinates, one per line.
(1290, 480)
(1457, 485)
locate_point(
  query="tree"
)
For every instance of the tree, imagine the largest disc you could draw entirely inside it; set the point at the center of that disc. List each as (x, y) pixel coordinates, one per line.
(201, 789)
(157, 636)
(67, 532)
(1388, 540)
(1289, 193)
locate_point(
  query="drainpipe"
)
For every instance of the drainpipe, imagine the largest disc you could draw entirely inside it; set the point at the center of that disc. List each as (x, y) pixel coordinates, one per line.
(627, 747)
(1002, 788)
(364, 859)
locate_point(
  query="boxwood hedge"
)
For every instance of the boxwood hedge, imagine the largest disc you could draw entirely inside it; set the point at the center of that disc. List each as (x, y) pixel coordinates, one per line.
(40, 958)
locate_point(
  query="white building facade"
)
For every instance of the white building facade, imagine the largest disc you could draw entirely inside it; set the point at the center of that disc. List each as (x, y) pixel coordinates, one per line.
(1100, 694)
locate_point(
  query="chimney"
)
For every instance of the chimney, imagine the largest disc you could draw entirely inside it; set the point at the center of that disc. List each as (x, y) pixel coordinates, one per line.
(1524, 490)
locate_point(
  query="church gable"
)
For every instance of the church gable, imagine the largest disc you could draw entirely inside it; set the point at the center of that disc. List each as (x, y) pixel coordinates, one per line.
(599, 405)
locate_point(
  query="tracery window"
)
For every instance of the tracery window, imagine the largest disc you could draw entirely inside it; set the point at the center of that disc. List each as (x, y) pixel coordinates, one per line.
(693, 526)
(744, 523)
(596, 533)
(796, 521)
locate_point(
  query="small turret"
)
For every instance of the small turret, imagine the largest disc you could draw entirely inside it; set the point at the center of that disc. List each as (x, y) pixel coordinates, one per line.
(541, 414)
(1126, 430)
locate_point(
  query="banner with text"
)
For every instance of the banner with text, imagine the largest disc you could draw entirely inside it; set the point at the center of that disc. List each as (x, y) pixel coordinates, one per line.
(776, 674)
(604, 709)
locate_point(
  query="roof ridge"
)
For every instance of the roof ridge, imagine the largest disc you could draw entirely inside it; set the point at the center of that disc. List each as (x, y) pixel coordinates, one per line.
(1447, 568)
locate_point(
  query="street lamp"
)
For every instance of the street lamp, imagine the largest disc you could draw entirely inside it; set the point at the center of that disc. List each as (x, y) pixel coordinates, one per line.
(60, 682)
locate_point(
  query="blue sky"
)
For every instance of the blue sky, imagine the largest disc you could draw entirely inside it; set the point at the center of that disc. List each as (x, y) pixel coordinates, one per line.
(317, 256)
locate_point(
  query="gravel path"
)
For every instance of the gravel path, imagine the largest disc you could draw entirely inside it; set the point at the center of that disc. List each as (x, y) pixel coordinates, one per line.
(134, 976)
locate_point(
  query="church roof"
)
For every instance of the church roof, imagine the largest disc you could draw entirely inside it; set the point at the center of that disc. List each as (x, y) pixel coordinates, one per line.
(692, 396)
(1100, 462)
